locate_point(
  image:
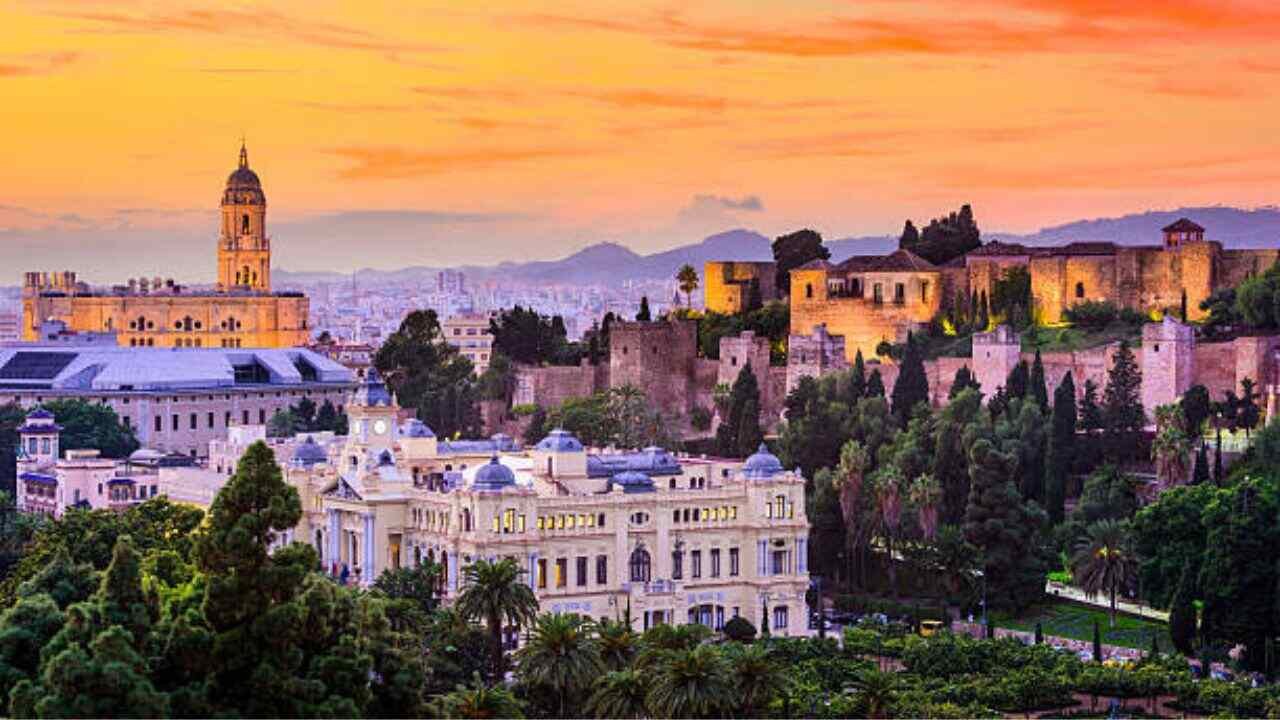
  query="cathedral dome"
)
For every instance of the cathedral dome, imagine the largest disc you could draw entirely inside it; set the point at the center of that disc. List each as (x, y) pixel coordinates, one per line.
(633, 481)
(310, 453)
(243, 185)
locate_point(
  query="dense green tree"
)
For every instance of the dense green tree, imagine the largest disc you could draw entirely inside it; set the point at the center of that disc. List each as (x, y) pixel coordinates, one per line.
(1061, 451)
(1015, 386)
(910, 236)
(741, 424)
(327, 418)
(945, 238)
(1011, 297)
(618, 643)
(1004, 528)
(1122, 409)
(92, 425)
(12, 416)
(25, 628)
(875, 385)
(537, 428)
(1196, 409)
(1036, 384)
(912, 385)
(1169, 537)
(1238, 577)
(419, 585)
(792, 250)
(495, 594)
(525, 336)
(1182, 612)
(1250, 413)
(856, 388)
(283, 424)
(644, 315)
(428, 374)
(1023, 434)
(964, 379)
(1104, 562)
(951, 458)
(758, 677)
(1200, 473)
(1091, 417)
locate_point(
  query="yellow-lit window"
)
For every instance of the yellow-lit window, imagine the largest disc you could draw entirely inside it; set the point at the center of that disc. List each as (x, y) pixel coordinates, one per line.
(733, 512)
(542, 525)
(770, 506)
(569, 522)
(495, 523)
(559, 522)
(542, 574)
(520, 524)
(591, 521)
(791, 510)
(508, 521)
(582, 521)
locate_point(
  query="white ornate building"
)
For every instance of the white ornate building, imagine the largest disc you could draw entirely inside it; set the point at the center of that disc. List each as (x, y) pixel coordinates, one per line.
(674, 539)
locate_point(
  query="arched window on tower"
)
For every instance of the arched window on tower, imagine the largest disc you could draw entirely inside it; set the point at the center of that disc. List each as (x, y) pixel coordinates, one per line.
(244, 224)
(244, 275)
(1080, 290)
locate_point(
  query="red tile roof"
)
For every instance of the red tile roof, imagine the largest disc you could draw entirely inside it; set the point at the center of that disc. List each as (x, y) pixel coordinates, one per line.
(896, 261)
(1183, 225)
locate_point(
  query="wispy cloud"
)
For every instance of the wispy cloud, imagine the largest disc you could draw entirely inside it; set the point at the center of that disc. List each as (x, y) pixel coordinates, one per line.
(36, 64)
(261, 23)
(384, 163)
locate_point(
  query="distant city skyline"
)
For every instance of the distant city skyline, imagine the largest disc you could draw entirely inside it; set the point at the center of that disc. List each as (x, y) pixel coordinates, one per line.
(445, 136)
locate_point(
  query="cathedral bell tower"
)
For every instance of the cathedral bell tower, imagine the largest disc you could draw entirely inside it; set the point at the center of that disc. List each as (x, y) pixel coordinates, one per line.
(244, 251)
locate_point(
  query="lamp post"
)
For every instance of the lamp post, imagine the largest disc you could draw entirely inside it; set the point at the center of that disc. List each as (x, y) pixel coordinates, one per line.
(822, 616)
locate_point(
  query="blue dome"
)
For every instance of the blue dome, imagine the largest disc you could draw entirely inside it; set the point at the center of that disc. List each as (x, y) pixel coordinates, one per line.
(632, 481)
(493, 476)
(310, 453)
(372, 392)
(415, 428)
(762, 465)
(40, 414)
(559, 440)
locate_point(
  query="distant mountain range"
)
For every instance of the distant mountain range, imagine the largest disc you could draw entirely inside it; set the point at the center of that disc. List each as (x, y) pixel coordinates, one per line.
(613, 263)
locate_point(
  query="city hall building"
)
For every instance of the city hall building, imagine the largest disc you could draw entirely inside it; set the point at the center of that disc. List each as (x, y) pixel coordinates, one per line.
(669, 539)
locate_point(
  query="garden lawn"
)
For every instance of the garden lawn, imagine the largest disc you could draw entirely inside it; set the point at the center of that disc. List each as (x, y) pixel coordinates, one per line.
(1070, 620)
(1071, 339)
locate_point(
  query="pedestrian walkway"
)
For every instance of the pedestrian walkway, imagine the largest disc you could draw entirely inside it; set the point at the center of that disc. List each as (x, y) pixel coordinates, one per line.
(1070, 592)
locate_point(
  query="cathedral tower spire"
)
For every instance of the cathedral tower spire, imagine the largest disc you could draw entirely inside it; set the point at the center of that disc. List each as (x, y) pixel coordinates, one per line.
(244, 250)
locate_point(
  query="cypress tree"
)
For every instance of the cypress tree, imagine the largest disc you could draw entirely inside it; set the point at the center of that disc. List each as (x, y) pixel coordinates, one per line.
(1122, 410)
(1003, 528)
(1015, 386)
(912, 387)
(1201, 471)
(1182, 308)
(1217, 459)
(963, 381)
(643, 315)
(1039, 391)
(857, 380)
(1097, 642)
(754, 299)
(984, 313)
(749, 434)
(740, 417)
(875, 385)
(1039, 634)
(1061, 453)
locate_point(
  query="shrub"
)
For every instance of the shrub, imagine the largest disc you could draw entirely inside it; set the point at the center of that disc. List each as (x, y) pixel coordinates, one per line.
(740, 629)
(700, 418)
(1091, 314)
(524, 409)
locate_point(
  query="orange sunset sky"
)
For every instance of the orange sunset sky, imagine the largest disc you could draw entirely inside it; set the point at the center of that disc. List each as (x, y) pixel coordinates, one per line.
(391, 134)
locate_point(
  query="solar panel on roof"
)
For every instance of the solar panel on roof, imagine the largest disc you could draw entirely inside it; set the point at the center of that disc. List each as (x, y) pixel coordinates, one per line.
(36, 365)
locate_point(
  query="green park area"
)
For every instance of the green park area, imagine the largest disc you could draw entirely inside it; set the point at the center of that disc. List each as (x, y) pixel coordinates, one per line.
(1075, 621)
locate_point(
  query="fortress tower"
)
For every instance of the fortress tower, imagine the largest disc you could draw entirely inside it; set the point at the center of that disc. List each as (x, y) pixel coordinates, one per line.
(995, 354)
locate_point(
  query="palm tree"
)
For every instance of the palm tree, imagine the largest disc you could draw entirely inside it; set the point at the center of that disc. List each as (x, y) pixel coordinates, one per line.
(692, 684)
(1104, 561)
(757, 676)
(850, 475)
(876, 693)
(561, 654)
(661, 641)
(925, 493)
(888, 495)
(618, 644)
(1171, 448)
(688, 279)
(620, 694)
(495, 594)
(478, 702)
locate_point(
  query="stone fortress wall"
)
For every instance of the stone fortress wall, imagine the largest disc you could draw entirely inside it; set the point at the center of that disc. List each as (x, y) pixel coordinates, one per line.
(726, 285)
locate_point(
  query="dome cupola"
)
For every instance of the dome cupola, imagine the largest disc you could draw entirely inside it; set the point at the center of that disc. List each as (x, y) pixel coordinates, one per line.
(763, 465)
(493, 477)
